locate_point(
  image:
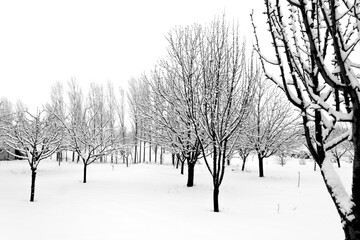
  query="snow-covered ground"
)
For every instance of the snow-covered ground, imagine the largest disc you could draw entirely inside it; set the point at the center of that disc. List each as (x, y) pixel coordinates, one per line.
(148, 201)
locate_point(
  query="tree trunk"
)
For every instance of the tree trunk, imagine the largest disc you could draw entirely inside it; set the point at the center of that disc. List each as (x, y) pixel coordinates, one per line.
(58, 157)
(261, 165)
(156, 148)
(33, 177)
(190, 180)
(173, 158)
(144, 152)
(243, 164)
(182, 167)
(161, 156)
(135, 154)
(84, 179)
(73, 157)
(352, 229)
(216, 198)
(177, 160)
(139, 161)
(338, 162)
(149, 152)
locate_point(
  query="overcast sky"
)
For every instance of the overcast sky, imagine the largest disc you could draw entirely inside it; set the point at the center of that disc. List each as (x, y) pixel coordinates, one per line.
(43, 41)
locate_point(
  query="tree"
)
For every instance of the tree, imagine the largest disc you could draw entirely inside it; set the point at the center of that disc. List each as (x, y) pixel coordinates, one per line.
(91, 141)
(96, 108)
(111, 112)
(170, 88)
(6, 115)
(133, 97)
(57, 106)
(273, 122)
(342, 148)
(222, 97)
(120, 111)
(75, 109)
(314, 43)
(244, 149)
(34, 138)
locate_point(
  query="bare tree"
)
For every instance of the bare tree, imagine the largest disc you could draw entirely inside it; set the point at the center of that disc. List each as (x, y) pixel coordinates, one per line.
(90, 140)
(111, 112)
(273, 122)
(6, 116)
(222, 98)
(34, 138)
(314, 43)
(57, 106)
(96, 99)
(244, 149)
(341, 149)
(133, 97)
(75, 109)
(171, 86)
(120, 111)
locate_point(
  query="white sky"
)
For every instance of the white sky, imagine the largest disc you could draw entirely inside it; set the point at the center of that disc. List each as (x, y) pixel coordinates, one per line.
(43, 41)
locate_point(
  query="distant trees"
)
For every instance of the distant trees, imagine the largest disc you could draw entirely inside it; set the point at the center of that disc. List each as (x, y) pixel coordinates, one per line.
(342, 149)
(34, 137)
(6, 116)
(75, 109)
(133, 98)
(92, 137)
(57, 107)
(120, 112)
(94, 127)
(315, 45)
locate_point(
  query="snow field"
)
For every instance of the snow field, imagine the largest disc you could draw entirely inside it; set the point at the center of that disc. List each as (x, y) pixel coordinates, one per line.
(148, 201)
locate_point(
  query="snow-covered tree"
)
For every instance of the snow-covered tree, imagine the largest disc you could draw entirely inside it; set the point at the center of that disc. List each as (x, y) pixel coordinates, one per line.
(97, 109)
(315, 46)
(171, 85)
(6, 116)
(341, 149)
(110, 109)
(120, 112)
(34, 137)
(273, 123)
(133, 99)
(92, 140)
(57, 107)
(75, 109)
(222, 97)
